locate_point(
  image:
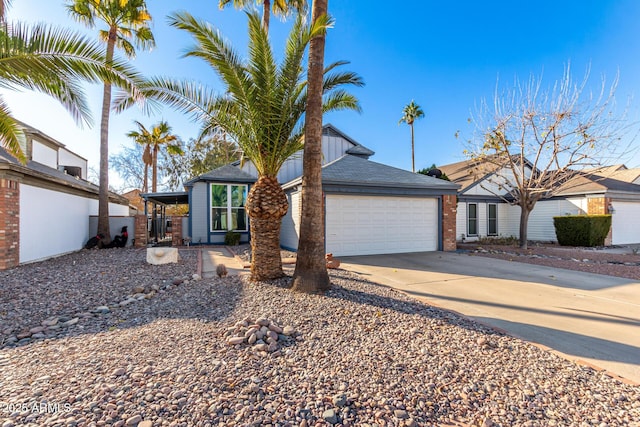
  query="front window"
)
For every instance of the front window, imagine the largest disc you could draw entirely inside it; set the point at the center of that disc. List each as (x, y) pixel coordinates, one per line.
(227, 207)
(472, 219)
(492, 219)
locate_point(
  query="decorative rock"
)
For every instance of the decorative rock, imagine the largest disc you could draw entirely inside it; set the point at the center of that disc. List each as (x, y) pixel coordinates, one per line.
(340, 400)
(118, 372)
(145, 423)
(70, 322)
(134, 421)
(23, 334)
(103, 309)
(50, 322)
(252, 339)
(36, 330)
(196, 276)
(261, 347)
(159, 256)
(330, 416)
(288, 330)
(177, 281)
(275, 328)
(235, 340)
(138, 290)
(401, 414)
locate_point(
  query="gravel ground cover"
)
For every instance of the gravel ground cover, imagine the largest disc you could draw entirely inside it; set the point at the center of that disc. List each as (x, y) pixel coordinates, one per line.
(580, 259)
(360, 355)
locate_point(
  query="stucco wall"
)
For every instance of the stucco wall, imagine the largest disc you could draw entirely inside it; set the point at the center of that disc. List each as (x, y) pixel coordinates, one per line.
(51, 223)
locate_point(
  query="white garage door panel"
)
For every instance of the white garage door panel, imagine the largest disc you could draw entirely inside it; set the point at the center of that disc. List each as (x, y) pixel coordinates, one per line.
(363, 225)
(624, 223)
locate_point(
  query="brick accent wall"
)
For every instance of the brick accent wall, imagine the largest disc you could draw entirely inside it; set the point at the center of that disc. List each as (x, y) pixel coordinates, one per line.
(176, 230)
(9, 223)
(600, 206)
(449, 208)
(597, 205)
(140, 233)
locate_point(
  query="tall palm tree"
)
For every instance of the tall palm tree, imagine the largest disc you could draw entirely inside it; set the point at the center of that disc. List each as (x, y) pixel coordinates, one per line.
(410, 113)
(159, 136)
(52, 61)
(127, 27)
(278, 7)
(311, 269)
(262, 110)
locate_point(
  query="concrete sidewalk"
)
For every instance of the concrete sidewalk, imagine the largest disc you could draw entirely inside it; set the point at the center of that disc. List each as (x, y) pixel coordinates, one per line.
(586, 317)
(214, 256)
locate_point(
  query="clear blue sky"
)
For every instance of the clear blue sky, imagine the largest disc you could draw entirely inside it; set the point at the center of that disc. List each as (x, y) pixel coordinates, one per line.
(447, 56)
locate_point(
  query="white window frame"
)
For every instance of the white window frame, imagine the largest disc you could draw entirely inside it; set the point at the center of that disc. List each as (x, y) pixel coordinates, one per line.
(229, 208)
(469, 219)
(489, 219)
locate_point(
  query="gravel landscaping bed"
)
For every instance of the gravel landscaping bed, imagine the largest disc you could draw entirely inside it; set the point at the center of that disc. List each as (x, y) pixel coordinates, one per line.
(589, 260)
(360, 355)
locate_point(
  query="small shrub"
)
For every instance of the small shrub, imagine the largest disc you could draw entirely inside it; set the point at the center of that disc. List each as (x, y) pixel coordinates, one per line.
(232, 238)
(499, 240)
(582, 230)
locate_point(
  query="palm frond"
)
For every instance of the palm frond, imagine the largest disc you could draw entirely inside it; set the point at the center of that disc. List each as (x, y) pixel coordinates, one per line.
(36, 57)
(11, 136)
(264, 104)
(190, 98)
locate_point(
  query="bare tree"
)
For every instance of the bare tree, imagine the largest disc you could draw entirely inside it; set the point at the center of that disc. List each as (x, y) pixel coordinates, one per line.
(534, 139)
(129, 165)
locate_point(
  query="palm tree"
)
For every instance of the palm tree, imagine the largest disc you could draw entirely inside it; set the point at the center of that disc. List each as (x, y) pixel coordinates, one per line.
(262, 110)
(410, 113)
(52, 61)
(4, 5)
(278, 7)
(311, 269)
(127, 21)
(160, 136)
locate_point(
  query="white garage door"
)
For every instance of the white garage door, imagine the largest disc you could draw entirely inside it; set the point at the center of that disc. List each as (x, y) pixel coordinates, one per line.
(624, 223)
(367, 225)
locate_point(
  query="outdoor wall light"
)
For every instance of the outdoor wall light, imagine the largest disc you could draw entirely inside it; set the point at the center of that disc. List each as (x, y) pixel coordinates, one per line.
(610, 209)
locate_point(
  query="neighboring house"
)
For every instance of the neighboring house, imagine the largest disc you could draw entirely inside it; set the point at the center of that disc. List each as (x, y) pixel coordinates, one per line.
(370, 208)
(483, 212)
(45, 204)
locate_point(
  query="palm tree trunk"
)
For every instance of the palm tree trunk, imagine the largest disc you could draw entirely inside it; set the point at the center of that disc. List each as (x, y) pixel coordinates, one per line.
(103, 192)
(145, 184)
(311, 269)
(413, 161)
(266, 205)
(154, 170)
(266, 14)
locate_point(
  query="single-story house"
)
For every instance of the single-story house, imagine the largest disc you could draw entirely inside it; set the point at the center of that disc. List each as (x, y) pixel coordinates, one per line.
(46, 204)
(483, 212)
(370, 208)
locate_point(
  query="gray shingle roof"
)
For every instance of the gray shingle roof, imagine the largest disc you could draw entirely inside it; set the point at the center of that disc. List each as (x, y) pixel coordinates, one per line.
(353, 170)
(226, 173)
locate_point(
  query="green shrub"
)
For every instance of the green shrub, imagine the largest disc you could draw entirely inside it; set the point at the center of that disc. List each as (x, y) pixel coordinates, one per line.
(499, 240)
(232, 238)
(582, 230)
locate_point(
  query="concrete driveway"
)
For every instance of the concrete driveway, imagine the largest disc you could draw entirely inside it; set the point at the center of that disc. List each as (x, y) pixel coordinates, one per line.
(586, 317)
